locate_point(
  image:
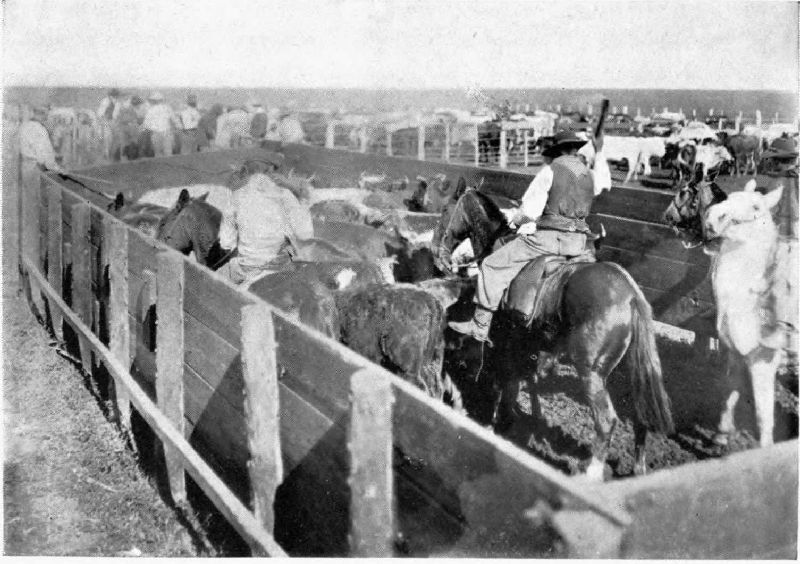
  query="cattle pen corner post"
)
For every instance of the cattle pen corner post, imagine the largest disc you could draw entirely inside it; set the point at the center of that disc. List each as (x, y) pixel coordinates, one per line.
(169, 359)
(371, 473)
(261, 408)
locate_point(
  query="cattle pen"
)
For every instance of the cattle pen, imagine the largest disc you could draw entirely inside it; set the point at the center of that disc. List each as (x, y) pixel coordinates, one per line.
(306, 448)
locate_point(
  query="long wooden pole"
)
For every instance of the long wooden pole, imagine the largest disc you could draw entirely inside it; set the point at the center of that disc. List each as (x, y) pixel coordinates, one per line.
(261, 410)
(119, 329)
(169, 359)
(220, 495)
(55, 244)
(371, 475)
(81, 274)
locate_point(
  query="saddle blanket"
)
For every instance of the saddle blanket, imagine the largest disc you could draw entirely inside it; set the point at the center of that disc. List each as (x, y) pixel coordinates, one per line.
(535, 293)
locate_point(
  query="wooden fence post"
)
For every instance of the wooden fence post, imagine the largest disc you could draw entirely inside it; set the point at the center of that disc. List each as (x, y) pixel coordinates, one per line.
(169, 359)
(525, 140)
(119, 329)
(421, 142)
(371, 477)
(330, 135)
(446, 151)
(477, 147)
(362, 139)
(389, 149)
(55, 242)
(758, 118)
(261, 409)
(503, 156)
(81, 275)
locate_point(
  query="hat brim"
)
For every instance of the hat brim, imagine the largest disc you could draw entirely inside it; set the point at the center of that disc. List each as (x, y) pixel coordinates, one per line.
(564, 146)
(780, 155)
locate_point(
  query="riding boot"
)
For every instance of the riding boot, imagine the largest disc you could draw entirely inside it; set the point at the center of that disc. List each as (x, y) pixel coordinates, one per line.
(477, 327)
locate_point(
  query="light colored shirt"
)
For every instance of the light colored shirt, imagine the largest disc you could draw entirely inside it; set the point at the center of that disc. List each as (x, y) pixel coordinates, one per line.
(230, 126)
(262, 215)
(190, 118)
(35, 144)
(159, 118)
(535, 198)
(291, 131)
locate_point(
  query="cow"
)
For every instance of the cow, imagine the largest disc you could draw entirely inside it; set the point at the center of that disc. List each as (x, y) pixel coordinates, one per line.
(743, 149)
(635, 150)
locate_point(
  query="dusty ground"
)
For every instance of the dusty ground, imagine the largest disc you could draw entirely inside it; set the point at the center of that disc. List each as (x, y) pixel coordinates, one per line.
(70, 486)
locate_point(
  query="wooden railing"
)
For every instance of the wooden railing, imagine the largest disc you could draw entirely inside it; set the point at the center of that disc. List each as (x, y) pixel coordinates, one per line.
(297, 392)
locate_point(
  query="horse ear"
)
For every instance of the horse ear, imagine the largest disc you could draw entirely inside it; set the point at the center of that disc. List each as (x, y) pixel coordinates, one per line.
(183, 198)
(750, 186)
(203, 198)
(119, 202)
(771, 199)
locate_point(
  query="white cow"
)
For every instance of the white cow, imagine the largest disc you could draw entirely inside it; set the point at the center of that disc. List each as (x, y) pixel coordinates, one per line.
(635, 150)
(711, 156)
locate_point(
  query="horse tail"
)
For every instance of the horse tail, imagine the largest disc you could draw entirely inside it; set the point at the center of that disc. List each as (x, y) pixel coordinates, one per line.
(651, 402)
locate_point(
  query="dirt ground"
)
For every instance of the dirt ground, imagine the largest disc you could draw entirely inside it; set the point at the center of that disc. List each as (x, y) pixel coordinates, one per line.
(70, 487)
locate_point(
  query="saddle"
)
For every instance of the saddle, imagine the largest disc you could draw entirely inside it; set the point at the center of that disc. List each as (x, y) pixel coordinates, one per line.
(535, 293)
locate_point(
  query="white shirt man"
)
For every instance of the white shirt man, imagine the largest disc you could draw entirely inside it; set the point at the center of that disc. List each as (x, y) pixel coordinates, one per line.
(535, 197)
(261, 219)
(159, 121)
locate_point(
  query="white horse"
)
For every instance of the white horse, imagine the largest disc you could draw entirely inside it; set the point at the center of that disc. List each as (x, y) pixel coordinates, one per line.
(746, 281)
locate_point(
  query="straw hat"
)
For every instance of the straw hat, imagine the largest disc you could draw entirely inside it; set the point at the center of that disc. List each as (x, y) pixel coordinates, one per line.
(781, 148)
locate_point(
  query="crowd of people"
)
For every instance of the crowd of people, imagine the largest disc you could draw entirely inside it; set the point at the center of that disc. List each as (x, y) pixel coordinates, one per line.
(128, 127)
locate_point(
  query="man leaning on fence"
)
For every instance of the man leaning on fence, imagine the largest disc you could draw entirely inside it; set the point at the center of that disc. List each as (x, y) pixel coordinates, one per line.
(37, 154)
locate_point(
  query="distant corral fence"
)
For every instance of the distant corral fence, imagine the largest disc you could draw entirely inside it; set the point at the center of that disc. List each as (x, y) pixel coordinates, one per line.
(301, 444)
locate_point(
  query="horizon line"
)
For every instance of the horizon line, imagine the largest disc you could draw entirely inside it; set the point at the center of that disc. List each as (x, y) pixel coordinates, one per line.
(398, 88)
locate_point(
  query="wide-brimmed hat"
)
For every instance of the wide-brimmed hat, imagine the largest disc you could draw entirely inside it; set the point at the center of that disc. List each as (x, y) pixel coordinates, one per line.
(156, 97)
(114, 92)
(40, 110)
(191, 99)
(136, 101)
(781, 148)
(564, 141)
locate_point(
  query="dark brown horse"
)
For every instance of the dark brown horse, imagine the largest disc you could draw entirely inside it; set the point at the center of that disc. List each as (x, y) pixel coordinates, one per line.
(602, 315)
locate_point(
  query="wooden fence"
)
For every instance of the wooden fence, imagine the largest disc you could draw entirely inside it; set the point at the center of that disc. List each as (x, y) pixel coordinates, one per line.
(304, 446)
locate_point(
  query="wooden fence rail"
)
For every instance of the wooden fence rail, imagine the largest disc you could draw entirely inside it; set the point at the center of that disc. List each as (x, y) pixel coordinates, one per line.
(379, 413)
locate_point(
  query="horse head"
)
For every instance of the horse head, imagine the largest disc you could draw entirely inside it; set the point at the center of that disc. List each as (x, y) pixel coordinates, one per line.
(690, 205)
(475, 216)
(744, 215)
(179, 225)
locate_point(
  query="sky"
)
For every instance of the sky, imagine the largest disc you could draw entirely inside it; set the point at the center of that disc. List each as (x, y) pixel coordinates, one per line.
(401, 44)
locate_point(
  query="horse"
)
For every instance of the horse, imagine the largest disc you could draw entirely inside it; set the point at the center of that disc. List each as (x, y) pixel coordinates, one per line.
(143, 216)
(599, 316)
(740, 235)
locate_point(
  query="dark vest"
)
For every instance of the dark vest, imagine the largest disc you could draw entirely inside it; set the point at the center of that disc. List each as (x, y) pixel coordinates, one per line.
(570, 197)
(110, 110)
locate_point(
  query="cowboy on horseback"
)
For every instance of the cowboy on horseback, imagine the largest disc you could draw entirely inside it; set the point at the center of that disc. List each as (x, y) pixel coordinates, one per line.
(552, 221)
(262, 223)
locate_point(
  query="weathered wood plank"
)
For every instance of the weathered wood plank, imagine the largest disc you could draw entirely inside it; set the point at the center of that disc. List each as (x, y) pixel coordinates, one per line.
(695, 510)
(468, 459)
(55, 246)
(81, 271)
(212, 356)
(214, 304)
(260, 375)
(169, 359)
(634, 203)
(662, 274)
(371, 477)
(323, 376)
(118, 313)
(646, 239)
(216, 490)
